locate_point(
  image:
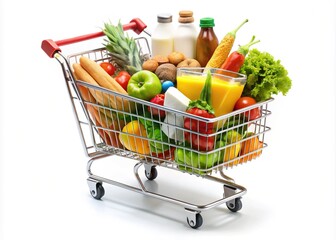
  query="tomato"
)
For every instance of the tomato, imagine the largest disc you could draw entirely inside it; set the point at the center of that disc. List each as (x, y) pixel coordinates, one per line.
(244, 102)
(123, 78)
(158, 99)
(108, 67)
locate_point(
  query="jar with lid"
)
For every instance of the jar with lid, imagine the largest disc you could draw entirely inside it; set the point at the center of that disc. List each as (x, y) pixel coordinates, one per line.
(186, 35)
(207, 41)
(162, 37)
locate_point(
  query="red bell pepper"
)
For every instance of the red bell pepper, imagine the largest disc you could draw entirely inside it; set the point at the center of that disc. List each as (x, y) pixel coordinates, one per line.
(236, 59)
(157, 99)
(201, 107)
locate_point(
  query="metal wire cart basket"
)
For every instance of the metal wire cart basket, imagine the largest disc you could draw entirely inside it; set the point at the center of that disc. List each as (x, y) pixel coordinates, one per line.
(100, 126)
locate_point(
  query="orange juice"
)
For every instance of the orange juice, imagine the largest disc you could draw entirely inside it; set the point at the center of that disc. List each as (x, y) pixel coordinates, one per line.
(225, 89)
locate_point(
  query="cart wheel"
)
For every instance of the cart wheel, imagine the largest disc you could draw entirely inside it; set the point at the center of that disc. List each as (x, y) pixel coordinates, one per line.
(99, 192)
(236, 206)
(198, 223)
(152, 174)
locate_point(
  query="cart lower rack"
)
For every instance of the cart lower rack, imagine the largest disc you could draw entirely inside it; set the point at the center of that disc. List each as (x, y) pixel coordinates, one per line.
(101, 127)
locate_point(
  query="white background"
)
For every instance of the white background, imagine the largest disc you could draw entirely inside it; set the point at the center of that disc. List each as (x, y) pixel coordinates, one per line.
(291, 188)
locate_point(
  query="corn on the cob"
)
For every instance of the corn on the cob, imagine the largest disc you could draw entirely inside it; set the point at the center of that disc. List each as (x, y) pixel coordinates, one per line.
(223, 49)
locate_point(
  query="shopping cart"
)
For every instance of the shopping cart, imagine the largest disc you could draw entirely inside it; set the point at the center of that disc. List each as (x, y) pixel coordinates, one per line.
(100, 126)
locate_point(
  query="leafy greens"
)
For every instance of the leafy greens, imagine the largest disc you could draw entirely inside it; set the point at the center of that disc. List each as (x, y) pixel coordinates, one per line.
(265, 76)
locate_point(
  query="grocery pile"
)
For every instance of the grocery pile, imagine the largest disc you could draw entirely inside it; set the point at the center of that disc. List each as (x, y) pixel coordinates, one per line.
(179, 98)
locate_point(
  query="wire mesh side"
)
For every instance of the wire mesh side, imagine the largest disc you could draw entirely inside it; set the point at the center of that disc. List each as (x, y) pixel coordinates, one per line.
(131, 130)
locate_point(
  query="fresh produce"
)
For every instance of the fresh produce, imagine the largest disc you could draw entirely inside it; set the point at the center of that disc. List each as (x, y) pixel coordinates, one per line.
(232, 152)
(251, 147)
(201, 108)
(174, 99)
(244, 102)
(122, 49)
(166, 71)
(108, 67)
(232, 141)
(265, 76)
(144, 85)
(166, 84)
(123, 78)
(168, 154)
(188, 160)
(224, 48)
(157, 99)
(236, 59)
(159, 141)
(105, 80)
(130, 141)
(238, 122)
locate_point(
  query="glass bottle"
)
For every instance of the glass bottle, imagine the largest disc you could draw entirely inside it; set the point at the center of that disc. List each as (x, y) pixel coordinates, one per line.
(207, 41)
(162, 37)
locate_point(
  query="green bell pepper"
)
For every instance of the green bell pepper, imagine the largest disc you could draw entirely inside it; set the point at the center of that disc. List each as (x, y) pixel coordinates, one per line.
(154, 133)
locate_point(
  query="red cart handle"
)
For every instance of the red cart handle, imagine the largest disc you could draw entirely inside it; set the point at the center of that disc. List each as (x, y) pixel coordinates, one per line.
(50, 47)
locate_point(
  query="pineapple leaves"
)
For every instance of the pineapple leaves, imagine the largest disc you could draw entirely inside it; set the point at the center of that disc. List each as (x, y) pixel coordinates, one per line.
(122, 48)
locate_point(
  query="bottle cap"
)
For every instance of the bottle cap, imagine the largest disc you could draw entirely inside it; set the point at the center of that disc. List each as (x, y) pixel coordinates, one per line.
(186, 16)
(186, 13)
(207, 22)
(164, 18)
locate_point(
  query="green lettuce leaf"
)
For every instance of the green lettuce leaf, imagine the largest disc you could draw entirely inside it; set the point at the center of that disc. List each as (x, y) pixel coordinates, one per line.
(265, 76)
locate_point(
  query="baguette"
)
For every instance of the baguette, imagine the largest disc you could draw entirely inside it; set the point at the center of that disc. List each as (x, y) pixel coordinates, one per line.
(100, 75)
(100, 119)
(106, 81)
(100, 97)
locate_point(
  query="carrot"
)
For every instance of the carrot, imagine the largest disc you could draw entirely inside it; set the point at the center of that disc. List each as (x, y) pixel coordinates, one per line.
(250, 148)
(223, 49)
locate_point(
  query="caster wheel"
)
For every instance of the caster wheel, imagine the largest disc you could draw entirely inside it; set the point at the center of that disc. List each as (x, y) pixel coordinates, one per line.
(152, 174)
(198, 223)
(236, 206)
(99, 192)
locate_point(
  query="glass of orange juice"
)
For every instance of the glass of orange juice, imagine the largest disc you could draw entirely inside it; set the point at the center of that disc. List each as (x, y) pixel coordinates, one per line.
(226, 87)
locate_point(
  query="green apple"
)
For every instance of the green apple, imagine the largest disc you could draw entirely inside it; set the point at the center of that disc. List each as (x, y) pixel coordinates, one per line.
(144, 85)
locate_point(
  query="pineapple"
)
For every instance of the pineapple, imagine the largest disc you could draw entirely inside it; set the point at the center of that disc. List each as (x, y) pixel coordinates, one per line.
(122, 49)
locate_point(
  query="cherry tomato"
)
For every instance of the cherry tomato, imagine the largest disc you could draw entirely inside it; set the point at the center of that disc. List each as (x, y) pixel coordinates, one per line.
(158, 99)
(122, 78)
(244, 102)
(108, 67)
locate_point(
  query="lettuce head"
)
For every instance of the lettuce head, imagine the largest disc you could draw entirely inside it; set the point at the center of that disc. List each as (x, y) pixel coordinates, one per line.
(265, 76)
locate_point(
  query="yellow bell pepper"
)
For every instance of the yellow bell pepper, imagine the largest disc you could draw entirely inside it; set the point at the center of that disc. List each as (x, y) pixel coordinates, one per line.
(131, 142)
